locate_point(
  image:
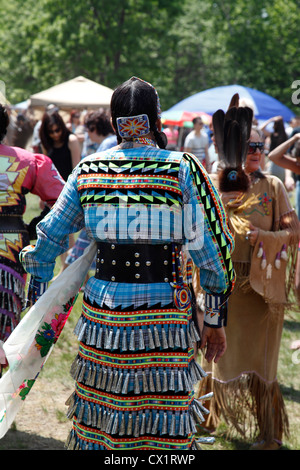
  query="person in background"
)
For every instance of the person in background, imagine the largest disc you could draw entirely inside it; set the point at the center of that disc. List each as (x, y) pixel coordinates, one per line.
(196, 142)
(74, 120)
(172, 135)
(244, 382)
(59, 143)
(99, 130)
(21, 172)
(63, 148)
(287, 155)
(24, 131)
(274, 138)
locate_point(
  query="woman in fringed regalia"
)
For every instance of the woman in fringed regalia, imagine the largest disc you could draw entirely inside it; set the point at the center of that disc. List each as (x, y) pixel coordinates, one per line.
(266, 230)
(135, 370)
(21, 172)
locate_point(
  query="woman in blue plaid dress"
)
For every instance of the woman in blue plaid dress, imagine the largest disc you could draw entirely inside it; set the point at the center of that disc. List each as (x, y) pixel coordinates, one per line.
(148, 209)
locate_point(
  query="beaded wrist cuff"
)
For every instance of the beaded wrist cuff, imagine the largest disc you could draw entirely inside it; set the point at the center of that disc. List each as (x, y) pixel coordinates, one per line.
(215, 315)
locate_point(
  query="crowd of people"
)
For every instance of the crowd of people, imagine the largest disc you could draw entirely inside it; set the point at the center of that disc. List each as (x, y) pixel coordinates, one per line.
(153, 302)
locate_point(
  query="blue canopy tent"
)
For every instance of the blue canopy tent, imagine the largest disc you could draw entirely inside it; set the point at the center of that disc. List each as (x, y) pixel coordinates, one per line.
(209, 101)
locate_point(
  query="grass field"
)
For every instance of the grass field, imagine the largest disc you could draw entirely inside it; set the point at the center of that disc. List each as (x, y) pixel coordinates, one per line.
(55, 375)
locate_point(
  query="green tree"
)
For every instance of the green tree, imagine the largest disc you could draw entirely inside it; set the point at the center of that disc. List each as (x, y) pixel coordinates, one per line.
(104, 40)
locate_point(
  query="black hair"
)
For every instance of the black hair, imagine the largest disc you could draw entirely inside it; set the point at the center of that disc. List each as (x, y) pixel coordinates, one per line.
(136, 97)
(49, 119)
(4, 122)
(100, 120)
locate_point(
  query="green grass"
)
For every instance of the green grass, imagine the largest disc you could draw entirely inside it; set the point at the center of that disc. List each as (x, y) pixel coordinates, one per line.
(57, 368)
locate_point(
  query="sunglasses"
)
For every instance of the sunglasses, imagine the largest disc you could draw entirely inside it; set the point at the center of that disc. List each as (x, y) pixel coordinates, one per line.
(90, 128)
(253, 146)
(54, 131)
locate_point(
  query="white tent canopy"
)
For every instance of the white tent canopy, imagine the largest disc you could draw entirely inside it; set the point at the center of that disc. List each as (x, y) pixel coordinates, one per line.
(79, 92)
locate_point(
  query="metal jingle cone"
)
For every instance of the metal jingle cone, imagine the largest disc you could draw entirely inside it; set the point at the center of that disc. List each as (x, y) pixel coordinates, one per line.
(136, 431)
(94, 336)
(141, 339)
(149, 423)
(165, 344)
(126, 384)
(129, 425)
(104, 378)
(155, 424)
(143, 424)
(82, 332)
(115, 426)
(150, 339)
(99, 419)
(132, 340)
(94, 416)
(99, 378)
(122, 425)
(124, 340)
(172, 426)
(156, 338)
(172, 380)
(88, 334)
(151, 382)
(182, 338)
(145, 384)
(116, 340)
(103, 420)
(109, 381)
(119, 384)
(157, 381)
(170, 338)
(164, 429)
(181, 425)
(99, 338)
(137, 390)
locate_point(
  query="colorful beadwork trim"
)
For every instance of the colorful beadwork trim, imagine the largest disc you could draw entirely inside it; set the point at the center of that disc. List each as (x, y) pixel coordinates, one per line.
(133, 126)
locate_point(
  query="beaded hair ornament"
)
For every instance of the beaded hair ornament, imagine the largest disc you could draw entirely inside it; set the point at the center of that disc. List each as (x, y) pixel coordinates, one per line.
(130, 127)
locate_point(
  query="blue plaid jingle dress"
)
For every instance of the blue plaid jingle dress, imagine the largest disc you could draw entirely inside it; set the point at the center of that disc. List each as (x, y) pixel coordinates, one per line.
(135, 370)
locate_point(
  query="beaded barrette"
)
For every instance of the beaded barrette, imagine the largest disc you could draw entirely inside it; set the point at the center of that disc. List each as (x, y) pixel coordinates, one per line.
(133, 126)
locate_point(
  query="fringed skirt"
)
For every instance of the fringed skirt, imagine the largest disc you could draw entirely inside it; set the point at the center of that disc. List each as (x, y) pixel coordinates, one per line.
(12, 297)
(135, 375)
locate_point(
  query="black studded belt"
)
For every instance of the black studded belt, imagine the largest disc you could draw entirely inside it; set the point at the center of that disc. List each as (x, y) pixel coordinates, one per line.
(12, 224)
(139, 263)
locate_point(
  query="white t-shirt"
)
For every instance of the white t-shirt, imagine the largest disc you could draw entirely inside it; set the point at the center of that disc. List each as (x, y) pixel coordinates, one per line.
(197, 143)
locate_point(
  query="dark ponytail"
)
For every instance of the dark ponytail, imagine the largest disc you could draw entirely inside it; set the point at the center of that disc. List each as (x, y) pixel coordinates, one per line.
(135, 97)
(161, 138)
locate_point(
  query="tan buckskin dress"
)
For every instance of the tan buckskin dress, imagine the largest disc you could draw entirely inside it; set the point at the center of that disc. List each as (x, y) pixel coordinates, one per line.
(244, 381)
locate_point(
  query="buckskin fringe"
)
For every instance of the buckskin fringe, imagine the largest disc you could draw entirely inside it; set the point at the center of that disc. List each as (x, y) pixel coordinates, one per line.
(249, 406)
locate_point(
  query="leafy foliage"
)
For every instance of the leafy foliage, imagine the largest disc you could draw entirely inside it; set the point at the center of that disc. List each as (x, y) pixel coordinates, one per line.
(182, 47)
